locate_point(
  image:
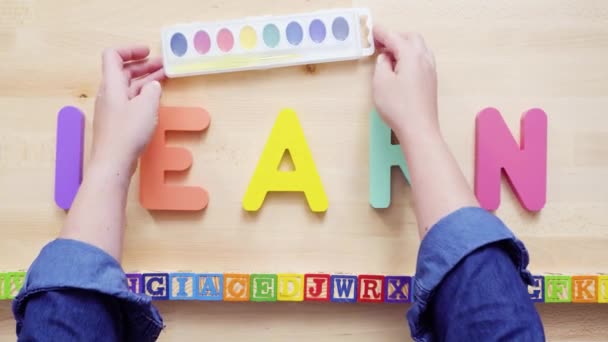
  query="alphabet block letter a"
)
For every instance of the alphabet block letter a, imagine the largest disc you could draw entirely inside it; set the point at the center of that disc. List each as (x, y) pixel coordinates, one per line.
(525, 166)
(286, 135)
(153, 192)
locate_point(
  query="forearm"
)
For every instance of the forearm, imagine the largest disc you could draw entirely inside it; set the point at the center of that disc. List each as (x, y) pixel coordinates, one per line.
(97, 215)
(438, 185)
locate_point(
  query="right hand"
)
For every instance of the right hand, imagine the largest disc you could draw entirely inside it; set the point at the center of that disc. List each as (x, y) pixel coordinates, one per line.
(126, 108)
(405, 83)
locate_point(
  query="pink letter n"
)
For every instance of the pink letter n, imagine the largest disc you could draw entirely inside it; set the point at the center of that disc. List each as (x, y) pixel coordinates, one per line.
(525, 167)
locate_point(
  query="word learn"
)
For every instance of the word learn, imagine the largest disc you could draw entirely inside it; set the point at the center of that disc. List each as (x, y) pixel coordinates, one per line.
(496, 150)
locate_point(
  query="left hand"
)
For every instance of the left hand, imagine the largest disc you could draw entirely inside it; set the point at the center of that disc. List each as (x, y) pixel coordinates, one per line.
(126, 108)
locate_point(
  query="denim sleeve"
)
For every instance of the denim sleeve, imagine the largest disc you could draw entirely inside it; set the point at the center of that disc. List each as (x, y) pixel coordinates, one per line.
(484, 299)
(74, 291)
(446, 246)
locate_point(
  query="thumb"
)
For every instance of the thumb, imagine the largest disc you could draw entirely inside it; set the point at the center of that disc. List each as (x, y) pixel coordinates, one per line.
(384, 68)
(149, 95)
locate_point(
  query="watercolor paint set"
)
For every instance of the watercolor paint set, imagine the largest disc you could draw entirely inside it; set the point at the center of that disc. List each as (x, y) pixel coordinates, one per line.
(267, 42)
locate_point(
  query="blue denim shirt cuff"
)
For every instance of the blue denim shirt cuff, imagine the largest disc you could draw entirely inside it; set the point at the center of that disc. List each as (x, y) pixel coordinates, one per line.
(448, 242)
(69, 264)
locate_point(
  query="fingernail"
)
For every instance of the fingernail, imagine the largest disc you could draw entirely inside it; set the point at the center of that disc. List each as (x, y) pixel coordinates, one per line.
(381, 58)
(155, 84)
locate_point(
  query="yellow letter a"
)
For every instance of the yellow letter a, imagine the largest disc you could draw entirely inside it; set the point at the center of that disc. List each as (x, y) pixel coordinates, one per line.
(286, 135)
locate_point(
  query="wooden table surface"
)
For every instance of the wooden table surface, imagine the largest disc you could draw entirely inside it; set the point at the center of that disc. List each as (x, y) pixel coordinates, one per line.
(510, 54)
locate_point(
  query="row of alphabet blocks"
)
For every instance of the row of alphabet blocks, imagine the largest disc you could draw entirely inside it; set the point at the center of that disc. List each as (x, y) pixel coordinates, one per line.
(570, 289)
(273, 287)
(320, 287)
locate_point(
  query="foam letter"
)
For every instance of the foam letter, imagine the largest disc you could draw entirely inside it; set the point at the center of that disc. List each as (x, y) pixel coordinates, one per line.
(382, 157)
(68, 155)
(525, 167)
(287, 135)
(158, 158)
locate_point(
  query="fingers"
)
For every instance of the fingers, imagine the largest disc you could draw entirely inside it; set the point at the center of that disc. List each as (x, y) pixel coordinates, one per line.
(151, 92)
(389, 42)
(148, 101)
(431, 57)
(384, 65)
(415, 39)
(383, 73)
(138, 84)
(113, 63)
(133, 53)
(111, 66)
(122, 65)
(141, 68)
(113, 59)
(397, 43)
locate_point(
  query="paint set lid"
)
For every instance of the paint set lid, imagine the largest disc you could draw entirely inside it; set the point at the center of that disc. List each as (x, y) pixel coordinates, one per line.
(267, 42)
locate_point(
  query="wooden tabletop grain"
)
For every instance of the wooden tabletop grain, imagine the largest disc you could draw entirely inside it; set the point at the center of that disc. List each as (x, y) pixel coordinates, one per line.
(510, 54)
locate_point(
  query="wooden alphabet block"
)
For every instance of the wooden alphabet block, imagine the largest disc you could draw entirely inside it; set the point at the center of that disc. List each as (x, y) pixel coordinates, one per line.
(371, 289)
(537, 290)
(209, 286)
(236, 287)
(156, 285)
(602, 289)
(585, 289)
(558, 289)
(182, 286)
(343, 289)
(2, 286)
(291, 287)
(397, 289)
(135, 283)
(10, 284)
(263, 287)
(316, 287)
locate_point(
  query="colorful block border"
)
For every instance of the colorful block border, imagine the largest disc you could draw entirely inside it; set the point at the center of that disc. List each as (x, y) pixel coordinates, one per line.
(319, 287)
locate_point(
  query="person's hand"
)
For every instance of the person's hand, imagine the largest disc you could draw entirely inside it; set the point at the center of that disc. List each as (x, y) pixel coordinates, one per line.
(405, 83)
(126, 108)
